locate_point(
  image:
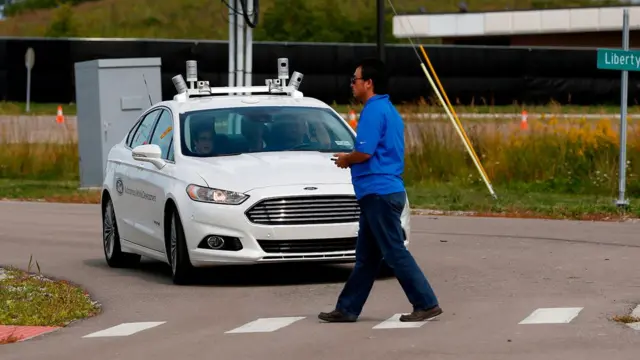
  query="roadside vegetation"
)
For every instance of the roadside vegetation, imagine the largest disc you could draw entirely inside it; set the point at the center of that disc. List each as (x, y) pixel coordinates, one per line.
(279, 20)
(27, 298)
(422, 106)
(556, 168)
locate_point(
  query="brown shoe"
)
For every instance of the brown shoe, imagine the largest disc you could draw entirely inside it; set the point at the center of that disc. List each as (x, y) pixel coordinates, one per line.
(422, 315)
(336, 316)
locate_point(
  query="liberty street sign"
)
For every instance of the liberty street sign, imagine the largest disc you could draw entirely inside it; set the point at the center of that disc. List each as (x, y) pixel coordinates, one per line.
(613, 59)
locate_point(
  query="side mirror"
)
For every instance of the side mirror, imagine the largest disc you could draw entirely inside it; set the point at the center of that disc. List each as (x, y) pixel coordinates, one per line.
(150, 153)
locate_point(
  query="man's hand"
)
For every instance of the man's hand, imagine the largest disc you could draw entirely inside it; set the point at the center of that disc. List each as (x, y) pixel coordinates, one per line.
(342, 160)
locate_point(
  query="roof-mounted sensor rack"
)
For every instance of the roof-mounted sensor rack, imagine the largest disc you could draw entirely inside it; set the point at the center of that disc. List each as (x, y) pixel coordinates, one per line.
(199, 88)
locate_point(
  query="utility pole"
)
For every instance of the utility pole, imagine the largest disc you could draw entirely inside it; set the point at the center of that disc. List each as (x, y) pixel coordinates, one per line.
(380, 35)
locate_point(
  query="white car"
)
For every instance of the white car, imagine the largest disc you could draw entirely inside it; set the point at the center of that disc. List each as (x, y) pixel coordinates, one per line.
(210, 178)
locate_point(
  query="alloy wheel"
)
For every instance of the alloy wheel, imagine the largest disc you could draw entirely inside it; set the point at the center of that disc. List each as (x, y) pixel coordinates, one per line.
(174, 245)
(109, 233)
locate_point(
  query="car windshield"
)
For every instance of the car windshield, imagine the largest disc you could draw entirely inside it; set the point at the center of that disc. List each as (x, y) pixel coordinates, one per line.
(234, 131)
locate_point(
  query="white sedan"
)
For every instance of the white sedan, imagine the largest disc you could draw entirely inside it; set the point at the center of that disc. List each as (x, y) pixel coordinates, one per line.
(231, 179)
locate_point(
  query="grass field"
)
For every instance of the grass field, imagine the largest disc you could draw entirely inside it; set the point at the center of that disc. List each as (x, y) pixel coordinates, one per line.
(556, 168)
(311, 20)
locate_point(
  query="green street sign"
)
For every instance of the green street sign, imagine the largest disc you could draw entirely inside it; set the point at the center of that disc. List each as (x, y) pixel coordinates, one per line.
(614, 59)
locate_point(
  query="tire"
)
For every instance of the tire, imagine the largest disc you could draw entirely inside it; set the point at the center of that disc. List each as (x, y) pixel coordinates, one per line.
(181, 268)
(111, 241)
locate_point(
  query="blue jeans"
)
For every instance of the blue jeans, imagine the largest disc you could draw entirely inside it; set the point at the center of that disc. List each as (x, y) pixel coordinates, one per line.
(380, 235)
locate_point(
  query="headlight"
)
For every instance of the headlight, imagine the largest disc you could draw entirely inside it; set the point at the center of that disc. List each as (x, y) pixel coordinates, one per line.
(217, 196)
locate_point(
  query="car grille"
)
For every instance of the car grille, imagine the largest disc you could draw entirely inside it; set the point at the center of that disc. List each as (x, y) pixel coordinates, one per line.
(308, 246)
(305, 210)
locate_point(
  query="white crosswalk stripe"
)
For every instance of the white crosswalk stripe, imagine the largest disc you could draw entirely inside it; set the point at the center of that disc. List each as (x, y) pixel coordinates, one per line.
(265, 325)
(124, 329)
(552, 316)
(395, 323)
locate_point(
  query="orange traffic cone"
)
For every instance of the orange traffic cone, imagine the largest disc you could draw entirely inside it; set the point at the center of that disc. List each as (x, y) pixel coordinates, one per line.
(352, 119)
(523, 123)
(59, 116)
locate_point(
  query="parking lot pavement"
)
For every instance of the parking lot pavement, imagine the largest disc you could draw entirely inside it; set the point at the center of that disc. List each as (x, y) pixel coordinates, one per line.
(510, 289)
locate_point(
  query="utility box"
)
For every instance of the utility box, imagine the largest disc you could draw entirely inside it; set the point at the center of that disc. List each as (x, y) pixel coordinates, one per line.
(110, 96)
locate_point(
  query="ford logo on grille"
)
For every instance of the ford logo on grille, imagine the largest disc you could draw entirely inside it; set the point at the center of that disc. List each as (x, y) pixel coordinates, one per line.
(311, 188)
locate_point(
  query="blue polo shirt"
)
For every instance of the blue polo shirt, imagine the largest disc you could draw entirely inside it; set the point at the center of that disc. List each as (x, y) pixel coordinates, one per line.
(381, 135)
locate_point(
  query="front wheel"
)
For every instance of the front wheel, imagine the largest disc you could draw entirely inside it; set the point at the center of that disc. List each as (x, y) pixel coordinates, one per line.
(181, 268)
(111, 241)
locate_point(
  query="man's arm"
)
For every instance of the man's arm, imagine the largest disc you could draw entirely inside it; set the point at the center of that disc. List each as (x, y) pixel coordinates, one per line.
(367, 138)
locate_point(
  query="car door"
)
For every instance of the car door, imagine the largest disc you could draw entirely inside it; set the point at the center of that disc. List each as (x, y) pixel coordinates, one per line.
(130, 201)
(119, 201)
(154, 182)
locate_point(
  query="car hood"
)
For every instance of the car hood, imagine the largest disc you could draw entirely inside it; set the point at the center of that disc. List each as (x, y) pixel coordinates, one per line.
(246, 172)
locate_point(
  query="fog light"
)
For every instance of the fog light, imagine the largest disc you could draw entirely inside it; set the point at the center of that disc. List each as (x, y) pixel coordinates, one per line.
(215, 242)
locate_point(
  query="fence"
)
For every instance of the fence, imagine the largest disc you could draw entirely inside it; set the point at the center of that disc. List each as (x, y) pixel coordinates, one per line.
(493, 75)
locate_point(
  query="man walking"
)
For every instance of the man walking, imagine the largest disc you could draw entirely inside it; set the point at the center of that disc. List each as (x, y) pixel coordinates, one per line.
(377, 164)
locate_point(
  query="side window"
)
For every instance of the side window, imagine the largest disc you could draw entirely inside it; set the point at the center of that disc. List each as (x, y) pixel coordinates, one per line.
(142, 134)
(133, 130)
(170, 157)
(163, 133)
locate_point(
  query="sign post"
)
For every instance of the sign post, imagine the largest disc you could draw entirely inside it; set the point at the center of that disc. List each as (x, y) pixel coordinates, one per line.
(29, 59)
(625, 61)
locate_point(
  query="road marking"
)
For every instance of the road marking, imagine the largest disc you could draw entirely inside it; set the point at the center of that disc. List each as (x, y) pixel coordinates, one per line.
(635, 313)
(265, 325)
(552, 316)
(124, 329)
(395, 323)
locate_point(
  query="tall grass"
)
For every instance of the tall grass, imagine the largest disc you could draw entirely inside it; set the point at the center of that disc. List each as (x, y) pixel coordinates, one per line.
(561, 156)
(38, 149)
(567, 156)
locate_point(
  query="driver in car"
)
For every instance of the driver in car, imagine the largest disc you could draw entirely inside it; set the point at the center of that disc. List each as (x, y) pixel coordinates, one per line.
(203, 140)
(291, 133)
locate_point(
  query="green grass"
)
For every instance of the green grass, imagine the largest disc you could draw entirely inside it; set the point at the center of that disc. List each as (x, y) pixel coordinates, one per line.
(43, 190)
(20, 108)
(518, 200)
(29, 299)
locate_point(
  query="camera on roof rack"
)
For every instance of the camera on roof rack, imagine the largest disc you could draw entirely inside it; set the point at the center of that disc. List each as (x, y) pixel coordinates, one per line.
(202, 88)
(280, 84)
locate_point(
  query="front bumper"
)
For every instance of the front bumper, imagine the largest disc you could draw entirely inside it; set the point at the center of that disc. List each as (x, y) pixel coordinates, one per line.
(248, 242)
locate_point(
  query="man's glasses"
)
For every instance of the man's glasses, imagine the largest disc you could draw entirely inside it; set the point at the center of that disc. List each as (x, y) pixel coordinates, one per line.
(354, 78)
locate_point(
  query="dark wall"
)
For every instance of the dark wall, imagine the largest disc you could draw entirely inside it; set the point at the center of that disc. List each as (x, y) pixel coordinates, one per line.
(498, 75)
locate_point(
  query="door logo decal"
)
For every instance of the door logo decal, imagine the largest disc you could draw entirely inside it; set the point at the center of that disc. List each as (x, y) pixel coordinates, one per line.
(119, 186)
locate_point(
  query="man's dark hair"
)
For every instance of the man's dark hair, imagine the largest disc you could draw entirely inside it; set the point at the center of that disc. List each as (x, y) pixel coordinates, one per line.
(374, 69)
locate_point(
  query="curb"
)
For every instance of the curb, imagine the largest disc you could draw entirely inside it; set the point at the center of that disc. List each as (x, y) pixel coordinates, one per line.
(22, 333)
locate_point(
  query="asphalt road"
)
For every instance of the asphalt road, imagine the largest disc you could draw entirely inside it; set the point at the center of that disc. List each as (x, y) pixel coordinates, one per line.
(490, 275)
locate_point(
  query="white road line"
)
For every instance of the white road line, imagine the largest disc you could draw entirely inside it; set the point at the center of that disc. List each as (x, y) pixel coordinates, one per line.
(124, 329)
(395, 323)
(265, 325)
(635, 313)
(552, 316)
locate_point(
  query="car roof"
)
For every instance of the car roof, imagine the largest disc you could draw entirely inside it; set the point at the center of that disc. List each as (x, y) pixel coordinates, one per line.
(226, 101)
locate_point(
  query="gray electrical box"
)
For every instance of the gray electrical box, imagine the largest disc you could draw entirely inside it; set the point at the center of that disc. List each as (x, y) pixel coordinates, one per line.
(110, 96)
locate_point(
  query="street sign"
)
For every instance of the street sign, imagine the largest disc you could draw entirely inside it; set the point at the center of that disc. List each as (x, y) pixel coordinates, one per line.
(616, 59)
(624, 61)
(29, 60)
